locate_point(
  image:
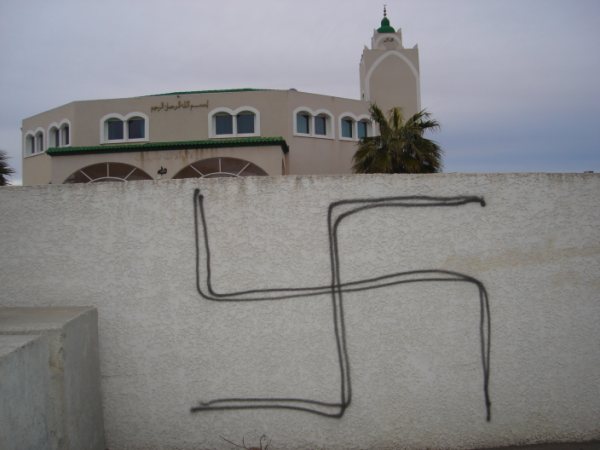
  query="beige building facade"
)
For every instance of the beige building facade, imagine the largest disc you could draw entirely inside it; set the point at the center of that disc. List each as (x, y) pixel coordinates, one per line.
(237, 132)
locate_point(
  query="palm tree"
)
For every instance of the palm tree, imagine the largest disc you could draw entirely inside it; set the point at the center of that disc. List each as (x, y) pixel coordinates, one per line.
(400, 146)
(5, 170)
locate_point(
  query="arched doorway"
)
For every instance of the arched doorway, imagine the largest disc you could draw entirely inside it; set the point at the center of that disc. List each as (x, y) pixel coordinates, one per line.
(220, 167)
(108, 171)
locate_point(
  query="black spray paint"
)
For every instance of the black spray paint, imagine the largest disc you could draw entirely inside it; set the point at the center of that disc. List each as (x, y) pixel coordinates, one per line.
(338, 211)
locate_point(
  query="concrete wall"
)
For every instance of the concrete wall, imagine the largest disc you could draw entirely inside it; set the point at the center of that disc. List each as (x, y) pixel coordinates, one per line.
(64, 374)
(24, 402)
(414, 350)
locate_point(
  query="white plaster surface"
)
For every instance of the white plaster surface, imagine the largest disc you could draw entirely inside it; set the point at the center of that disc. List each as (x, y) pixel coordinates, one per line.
(128, 249)
(74, 419)
(24, 405)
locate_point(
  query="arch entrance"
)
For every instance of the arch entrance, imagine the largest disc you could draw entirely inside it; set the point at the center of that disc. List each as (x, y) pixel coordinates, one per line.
(108, 171)
(220, 167)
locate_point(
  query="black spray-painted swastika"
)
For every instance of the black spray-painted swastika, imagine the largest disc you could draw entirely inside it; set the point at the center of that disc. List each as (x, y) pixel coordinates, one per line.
(336, 213)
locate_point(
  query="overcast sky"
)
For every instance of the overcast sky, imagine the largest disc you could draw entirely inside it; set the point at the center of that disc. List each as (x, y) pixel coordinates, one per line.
(515, 84)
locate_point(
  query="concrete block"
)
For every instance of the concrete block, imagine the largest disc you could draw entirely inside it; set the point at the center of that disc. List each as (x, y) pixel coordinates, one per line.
(75, 419)
(24, 403)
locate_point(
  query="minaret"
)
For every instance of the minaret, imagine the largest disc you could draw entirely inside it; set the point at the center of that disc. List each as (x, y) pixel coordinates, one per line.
(389, 73)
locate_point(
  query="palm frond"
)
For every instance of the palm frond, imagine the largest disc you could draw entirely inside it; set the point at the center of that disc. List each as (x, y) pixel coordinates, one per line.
(401, 146)
(5, 170)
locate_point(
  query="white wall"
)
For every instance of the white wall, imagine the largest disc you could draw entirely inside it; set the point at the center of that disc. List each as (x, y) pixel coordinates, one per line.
(414, 349)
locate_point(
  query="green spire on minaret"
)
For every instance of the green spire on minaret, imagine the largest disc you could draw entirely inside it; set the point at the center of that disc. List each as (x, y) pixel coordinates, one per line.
(385, 24)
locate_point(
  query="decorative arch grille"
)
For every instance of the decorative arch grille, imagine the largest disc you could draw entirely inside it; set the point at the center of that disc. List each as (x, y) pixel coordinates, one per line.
(220, 167)
(103, 172)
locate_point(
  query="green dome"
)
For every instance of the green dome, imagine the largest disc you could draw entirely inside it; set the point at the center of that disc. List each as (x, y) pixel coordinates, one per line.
(385, 26)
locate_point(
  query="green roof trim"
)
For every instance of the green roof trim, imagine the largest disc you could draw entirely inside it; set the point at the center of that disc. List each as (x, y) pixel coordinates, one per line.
(177, 145)
(212, 91)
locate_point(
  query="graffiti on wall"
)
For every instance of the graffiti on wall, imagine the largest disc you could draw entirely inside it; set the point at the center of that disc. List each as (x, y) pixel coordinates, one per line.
(337, 212)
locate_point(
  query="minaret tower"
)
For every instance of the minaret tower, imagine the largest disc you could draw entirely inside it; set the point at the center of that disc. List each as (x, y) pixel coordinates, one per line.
(389, 73)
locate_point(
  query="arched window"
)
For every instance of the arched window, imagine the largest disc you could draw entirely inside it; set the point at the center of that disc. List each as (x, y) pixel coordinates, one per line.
(114, 130)
(220, 167)
(321, 125)
(136, 128)
(223, 124)
(363, 128)
(29, 144)
(226, 122)
(39, 142)
(354, 127)
(245, 122)
(54, 136)
(347, 127)
(117, 128)
(108, 171)
(59, 135)
(65, 135)
(303, 120)
(313, 123)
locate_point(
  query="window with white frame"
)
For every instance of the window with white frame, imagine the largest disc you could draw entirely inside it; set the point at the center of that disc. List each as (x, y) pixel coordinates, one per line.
(29, 144)
(226, 122)
(321, 127)
(65, 135)
(245, 122)
(118, 128)
(59, 135)
(114, 129)
(223, 123)
(354, 128)
(39, 142)
(54, 137)
(136, 128)
(363, 128)
(303, 120)
(313, 123)
(347, 127)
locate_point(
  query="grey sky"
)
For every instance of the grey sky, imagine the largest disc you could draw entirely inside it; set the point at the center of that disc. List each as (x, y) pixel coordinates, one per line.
(514, 83)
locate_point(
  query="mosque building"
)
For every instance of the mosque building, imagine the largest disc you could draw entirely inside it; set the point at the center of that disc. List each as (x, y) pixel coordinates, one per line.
(218, 133)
